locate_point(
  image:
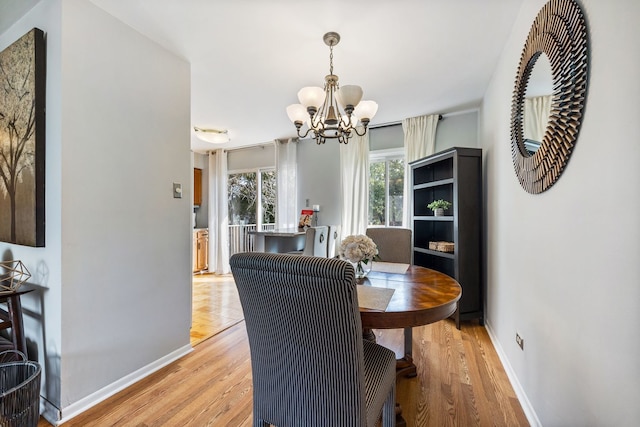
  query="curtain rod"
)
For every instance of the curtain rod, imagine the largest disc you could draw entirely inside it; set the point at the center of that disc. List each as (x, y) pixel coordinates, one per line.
(389, 124)
(246, 147)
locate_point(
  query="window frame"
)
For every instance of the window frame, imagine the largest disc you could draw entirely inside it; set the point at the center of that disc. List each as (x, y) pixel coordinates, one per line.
(258, 172)
(385, 156)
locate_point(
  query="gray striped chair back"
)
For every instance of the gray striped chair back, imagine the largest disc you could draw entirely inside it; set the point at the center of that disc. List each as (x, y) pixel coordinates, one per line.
(305, 335)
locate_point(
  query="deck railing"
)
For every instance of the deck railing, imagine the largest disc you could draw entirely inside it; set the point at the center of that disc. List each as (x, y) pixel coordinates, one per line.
(240, 240)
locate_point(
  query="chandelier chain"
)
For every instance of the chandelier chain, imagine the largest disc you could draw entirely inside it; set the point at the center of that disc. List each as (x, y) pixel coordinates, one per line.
(331, 59)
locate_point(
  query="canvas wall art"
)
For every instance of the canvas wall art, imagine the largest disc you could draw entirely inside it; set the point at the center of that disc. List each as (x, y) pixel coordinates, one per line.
(22, 140)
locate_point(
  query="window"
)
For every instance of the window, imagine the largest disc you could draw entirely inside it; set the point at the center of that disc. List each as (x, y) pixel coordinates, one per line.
(252, 198)
(386, 187)
(268, 195)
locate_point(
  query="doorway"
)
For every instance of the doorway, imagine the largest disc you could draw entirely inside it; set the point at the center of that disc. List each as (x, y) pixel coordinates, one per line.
(216, 305)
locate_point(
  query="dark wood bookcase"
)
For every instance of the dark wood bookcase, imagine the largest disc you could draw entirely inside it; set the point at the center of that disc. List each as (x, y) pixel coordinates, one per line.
(454, 175)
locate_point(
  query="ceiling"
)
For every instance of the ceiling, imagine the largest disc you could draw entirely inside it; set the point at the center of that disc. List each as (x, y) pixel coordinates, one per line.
(249, 58)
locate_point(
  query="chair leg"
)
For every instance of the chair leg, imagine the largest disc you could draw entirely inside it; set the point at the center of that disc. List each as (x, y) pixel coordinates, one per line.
(389, 409)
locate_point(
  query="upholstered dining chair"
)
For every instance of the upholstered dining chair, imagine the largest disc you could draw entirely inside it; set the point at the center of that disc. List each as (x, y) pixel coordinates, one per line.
(310, 365)
(315, 242)
(334, 234)
(394, 243)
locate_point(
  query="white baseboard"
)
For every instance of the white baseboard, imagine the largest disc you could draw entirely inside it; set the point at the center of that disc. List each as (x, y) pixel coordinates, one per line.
(93, 399)
(529, 412)
(49, 411)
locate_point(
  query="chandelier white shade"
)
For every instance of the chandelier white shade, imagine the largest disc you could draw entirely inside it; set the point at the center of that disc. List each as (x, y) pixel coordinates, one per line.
(332, 112)
(214, 136)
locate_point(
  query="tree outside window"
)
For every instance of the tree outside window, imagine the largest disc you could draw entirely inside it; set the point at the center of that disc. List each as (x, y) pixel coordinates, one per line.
(243, 191)
(268, 180)
(386, 191)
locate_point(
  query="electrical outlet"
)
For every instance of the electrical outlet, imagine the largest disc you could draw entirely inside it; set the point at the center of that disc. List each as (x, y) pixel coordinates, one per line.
(519, 341)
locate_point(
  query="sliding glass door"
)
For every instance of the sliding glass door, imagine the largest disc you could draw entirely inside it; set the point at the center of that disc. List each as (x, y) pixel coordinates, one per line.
(252, 206)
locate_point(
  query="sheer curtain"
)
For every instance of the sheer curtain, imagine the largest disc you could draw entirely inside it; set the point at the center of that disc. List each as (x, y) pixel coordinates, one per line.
(286, 176)
(354, 176)
(218, 213)
(537, 110)
(419, 142)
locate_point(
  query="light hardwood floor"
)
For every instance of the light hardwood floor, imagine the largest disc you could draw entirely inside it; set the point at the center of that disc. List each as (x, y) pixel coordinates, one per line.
(216, 306)
(460, 382)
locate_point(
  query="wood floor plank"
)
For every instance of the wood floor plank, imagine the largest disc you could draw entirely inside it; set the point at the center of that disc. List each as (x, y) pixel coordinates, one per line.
(460, 382)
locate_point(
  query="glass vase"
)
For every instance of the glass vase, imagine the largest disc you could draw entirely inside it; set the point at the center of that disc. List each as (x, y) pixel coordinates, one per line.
(362, 269)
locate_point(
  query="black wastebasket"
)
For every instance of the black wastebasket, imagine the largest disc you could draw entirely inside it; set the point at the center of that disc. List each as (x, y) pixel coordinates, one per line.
(19, 394)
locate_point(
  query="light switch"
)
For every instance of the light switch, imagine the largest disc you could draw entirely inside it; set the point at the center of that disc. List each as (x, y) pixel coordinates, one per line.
(177, 190)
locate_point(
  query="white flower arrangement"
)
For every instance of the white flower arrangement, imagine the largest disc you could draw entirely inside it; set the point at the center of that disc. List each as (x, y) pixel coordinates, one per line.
(358, 248)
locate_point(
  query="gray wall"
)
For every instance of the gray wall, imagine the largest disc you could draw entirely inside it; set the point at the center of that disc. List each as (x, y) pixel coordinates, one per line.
(319, 165)
(457, 130)
(118, 245)
(44, 333)
(563, 266)
(261, 156)
(319, 179)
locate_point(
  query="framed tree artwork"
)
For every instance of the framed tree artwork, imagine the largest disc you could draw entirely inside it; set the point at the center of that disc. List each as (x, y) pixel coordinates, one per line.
(22, 140)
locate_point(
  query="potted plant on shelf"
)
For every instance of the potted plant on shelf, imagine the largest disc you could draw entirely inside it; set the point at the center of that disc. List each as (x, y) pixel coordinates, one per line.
(438, 207)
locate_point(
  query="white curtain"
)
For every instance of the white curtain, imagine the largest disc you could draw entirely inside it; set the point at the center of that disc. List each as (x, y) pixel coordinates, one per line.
(286, 178)
(537, 110)
(218, 213)
(419, 142)
(354, 177)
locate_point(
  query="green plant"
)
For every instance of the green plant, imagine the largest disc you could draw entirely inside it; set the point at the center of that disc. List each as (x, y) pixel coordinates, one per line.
(437, 204)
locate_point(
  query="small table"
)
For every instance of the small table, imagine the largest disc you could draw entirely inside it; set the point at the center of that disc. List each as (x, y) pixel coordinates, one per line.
(12, 318)
(281, 240)
(421, 296)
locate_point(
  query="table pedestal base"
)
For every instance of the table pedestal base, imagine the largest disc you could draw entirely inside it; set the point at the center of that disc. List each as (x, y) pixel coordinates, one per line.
(400, 422)
(406, 367)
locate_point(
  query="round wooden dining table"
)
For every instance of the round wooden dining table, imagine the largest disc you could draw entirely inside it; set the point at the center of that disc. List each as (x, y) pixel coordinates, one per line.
(421, 296)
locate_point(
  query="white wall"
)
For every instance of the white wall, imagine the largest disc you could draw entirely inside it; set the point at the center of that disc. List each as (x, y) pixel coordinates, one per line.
(116, 268)
(563, 266)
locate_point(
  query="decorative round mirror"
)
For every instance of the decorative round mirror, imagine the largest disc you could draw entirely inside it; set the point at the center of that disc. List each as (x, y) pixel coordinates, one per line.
(545, 125)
